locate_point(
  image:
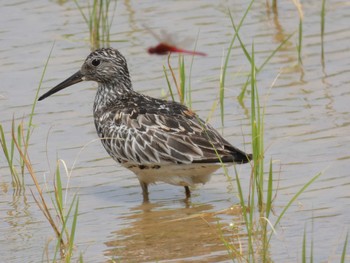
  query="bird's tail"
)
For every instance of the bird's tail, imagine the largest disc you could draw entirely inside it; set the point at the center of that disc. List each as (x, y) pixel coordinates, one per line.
(243, 158)
(240, 156)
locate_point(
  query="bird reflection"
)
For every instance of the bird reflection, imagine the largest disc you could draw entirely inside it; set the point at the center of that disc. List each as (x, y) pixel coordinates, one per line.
(157, 233)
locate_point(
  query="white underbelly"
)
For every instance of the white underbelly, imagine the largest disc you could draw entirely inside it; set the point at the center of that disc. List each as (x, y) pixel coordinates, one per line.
(175, 174)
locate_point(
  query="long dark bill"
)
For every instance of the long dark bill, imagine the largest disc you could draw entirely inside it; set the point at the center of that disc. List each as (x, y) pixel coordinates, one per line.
(75, 78)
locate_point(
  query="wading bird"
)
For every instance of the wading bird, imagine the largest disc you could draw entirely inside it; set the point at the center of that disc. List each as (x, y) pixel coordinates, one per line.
(156, 139)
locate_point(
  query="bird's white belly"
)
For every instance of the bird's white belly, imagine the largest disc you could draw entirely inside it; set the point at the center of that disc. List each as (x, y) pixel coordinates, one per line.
(175, 174)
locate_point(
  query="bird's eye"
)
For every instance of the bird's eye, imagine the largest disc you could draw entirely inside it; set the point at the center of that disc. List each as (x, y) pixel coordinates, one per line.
(95, 62)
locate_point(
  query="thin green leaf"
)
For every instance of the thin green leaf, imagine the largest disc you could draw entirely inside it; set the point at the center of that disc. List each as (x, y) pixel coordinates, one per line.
(343, 255)
(81, 12)
(169, 84)
(245, 51)
(300, 44)
(274, 52)
(323, 15)
(73, 231)
(269, 192)
(182, 78)
(303, 254)
(225, 65)
(313, 179)
(58, 191)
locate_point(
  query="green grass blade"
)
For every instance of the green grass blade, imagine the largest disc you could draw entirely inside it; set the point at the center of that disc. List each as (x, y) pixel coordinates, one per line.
(312, 250)
(114, 9)
(189, 89)
(4, 146)
(73, 231)
(9, 155)
(300, 44)
(58, 191)
(222, 88)
(269, 191)
(245, 51)
(303, 253)
(323, 15)
(242, 93)
(313, 179)
(109, 21)
(81, 12)
(30, 122)
(225, 65)
(275, 51)
(90, 22)
(182, 78)
(247, 220)
(169, 84)
(21, 161)
(64, 230)
(100, 22)
(12, 151)
(343, 255)
(257, 134)
(20, 141)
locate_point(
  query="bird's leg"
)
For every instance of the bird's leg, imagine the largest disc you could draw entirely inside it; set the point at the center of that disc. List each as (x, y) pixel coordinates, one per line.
(188, 192)
(144, 187)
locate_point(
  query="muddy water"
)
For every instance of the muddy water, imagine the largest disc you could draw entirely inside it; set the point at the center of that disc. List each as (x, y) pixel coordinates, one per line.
(307, 130)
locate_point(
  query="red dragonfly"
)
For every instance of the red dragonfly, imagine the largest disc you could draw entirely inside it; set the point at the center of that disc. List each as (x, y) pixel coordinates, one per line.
(166, 46)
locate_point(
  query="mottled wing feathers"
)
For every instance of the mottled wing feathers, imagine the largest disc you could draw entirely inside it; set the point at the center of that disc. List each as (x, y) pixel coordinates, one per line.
(164, 132)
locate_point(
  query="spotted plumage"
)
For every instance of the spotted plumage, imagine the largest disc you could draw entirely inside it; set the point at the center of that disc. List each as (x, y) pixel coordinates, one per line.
(158, 140)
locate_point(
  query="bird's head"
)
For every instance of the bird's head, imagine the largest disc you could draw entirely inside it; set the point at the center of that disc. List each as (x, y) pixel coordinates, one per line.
(106, 66)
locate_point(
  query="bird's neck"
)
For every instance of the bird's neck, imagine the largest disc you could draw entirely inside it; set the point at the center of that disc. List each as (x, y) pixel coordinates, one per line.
(108, 94)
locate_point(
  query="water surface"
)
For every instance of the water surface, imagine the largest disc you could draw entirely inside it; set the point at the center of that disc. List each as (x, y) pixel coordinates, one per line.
(307, 129)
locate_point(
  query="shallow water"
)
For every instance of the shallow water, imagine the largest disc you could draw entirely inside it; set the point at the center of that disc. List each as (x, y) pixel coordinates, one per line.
(307, 129)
